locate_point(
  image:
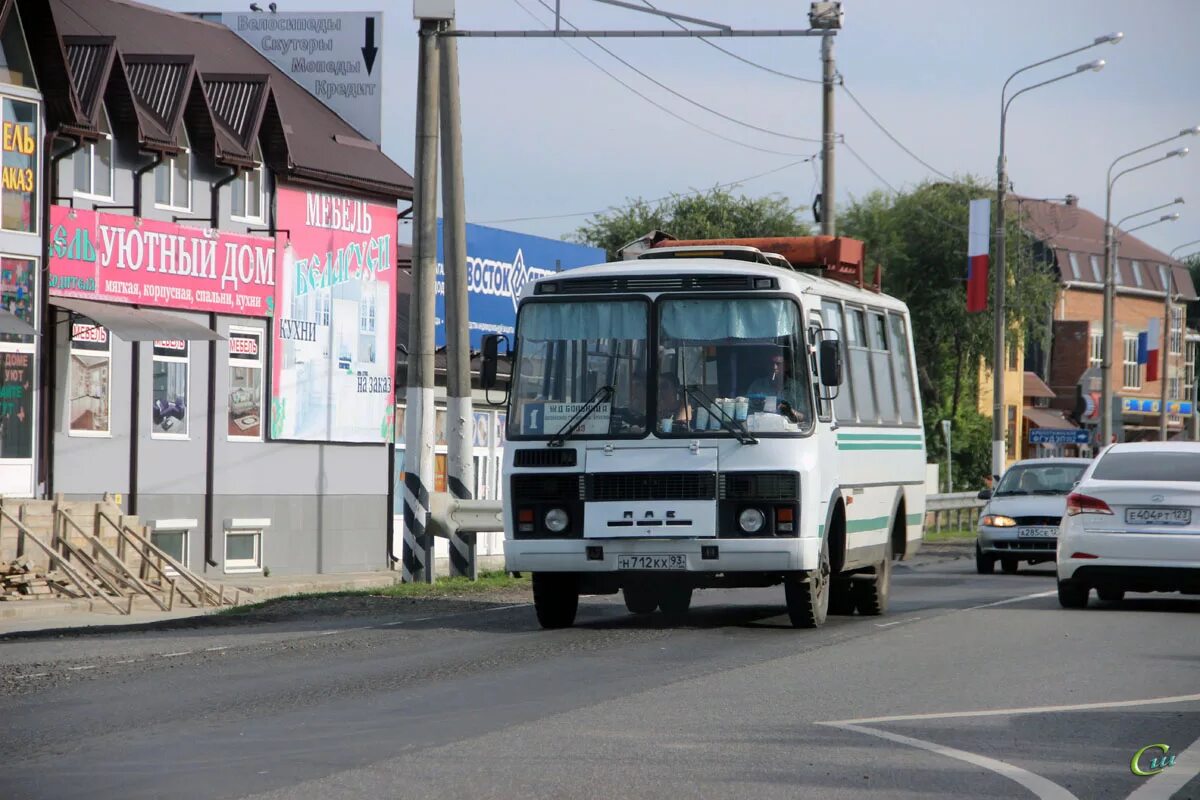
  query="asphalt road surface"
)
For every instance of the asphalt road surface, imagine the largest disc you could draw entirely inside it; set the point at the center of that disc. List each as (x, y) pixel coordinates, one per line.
(971, 686)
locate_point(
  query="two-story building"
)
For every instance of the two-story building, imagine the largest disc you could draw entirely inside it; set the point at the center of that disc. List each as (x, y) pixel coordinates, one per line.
(218, 302)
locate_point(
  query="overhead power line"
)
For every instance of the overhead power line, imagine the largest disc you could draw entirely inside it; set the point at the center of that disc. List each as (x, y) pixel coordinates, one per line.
(655, 103)
(888, 133)
(938, 219)
(681, 95)
(657, 199)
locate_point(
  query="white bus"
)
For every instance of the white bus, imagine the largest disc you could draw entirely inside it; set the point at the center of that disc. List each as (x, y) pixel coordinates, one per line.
(712, 416)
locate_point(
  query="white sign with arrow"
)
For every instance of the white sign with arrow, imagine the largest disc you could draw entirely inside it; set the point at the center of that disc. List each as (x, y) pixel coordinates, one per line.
(337, 56)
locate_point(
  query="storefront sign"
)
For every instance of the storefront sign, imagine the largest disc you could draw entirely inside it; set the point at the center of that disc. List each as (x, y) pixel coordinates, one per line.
(1145, 405)
(122, 259)
(499, 264)
(334, 337)
(19, 154)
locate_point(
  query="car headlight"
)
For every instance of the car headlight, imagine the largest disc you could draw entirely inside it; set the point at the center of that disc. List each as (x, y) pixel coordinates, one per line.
(751, 520)
(556, 520)
(998, 521)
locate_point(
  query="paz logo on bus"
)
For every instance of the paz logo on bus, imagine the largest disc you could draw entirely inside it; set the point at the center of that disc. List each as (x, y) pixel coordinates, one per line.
(1151, 760)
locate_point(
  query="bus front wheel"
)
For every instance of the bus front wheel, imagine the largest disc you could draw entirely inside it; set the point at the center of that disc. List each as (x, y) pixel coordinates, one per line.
(807, 594)
(555, 599)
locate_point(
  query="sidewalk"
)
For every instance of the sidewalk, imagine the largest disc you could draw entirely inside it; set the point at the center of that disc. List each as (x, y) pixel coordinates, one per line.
(36, 615)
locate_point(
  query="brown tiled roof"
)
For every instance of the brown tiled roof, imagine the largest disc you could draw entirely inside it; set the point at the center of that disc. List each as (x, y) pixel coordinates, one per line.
(1070, 230)
(301, 136)
(1036, 387)
(237, 103)
(160, 85)
(91, 59)
(49, 57)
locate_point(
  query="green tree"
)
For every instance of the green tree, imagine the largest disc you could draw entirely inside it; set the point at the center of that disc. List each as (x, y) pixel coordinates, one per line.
(919, 238)
(711, 215)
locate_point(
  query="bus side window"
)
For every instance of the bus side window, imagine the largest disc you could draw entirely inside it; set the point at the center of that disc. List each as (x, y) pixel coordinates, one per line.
(860, 366)
(831, 310)
(822, 393)
(881, 368)
(902, 366)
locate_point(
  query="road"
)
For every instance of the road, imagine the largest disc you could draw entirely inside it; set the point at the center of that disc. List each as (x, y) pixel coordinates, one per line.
(970, 687)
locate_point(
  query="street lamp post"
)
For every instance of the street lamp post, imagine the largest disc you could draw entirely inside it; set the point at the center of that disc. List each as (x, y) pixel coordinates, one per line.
(1106, 338)
(1185, 244)
(1000, 276)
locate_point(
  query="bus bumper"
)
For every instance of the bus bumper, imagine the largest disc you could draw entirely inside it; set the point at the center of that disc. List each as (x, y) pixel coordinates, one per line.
(723, 555)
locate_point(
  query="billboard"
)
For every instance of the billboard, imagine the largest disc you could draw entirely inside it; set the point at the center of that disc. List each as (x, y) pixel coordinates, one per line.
(499, 264)
(121, 259)
(334, 334)
(337, 56)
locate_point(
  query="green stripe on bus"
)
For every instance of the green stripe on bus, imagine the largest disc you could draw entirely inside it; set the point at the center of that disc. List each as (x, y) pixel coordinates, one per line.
(907, 437)
(881, 446)
(915, 519)
(863, 525)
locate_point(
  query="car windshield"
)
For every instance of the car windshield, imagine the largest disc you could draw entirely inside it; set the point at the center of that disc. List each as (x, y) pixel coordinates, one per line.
(1149, 465)
(1040, 479)
(740, 359)
(567, 352)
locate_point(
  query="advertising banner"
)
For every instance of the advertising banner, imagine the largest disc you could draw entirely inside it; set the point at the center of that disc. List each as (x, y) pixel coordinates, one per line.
(334, 339)
(499, 264)
(121, 259)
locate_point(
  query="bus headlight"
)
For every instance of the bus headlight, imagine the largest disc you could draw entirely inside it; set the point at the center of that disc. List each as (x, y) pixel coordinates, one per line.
(556, 520)
(751, 520)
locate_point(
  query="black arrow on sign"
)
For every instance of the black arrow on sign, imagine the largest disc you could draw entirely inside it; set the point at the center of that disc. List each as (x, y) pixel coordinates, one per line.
(369, 50)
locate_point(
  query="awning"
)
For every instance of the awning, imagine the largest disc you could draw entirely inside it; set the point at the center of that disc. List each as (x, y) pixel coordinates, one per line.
(1036, 387)
(137, 324)
(1048, 418)
(11, 323)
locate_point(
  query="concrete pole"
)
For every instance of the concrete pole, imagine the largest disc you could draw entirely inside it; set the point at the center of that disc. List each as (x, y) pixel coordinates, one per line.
(829, 75)
(460, 472)
(1108, 343)
(999, 282)
(1166, 359)
(417, 555)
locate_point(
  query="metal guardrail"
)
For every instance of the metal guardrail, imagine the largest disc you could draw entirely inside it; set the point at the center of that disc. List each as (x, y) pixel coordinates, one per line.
(956, 511)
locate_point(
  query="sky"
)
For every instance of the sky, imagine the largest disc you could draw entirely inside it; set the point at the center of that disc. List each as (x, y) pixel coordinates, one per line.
(546, 134)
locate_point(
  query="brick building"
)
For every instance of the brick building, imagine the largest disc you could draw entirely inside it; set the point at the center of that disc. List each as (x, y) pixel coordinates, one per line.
(1073, 238)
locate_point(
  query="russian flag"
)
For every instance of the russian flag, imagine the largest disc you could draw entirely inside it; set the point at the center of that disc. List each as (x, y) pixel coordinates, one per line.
(977, 255)
(1151, 335)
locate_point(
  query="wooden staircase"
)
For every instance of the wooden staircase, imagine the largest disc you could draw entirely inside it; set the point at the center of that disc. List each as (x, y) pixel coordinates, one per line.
(91, 552)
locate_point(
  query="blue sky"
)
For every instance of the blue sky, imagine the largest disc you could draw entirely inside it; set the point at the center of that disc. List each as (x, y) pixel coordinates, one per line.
(546, 133)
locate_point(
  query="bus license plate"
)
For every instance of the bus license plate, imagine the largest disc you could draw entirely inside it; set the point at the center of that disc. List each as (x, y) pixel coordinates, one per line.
(1037, 533)
(673, 561)
(1158, 516)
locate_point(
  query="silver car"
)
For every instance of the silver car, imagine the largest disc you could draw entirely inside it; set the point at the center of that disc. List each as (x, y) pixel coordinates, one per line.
(1020, 521)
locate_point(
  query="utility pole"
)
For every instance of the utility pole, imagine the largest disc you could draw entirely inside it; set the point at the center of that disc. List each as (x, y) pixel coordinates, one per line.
(417, 555)
(829, 75)
(460, 472)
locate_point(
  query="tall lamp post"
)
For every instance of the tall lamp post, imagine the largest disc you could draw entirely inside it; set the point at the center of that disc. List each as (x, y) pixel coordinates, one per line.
(1185, 244)
(1106, 339)
(1000, 276)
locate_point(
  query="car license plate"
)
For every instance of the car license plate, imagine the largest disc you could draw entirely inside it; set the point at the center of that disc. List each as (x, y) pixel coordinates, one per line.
(1037, 533)
(673, 561)
(1158, 516)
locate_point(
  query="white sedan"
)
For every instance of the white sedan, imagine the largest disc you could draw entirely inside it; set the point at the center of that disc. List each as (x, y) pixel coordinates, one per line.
(1132, 524)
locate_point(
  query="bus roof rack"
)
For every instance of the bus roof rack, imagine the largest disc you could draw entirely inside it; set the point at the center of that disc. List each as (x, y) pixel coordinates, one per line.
(837, 257)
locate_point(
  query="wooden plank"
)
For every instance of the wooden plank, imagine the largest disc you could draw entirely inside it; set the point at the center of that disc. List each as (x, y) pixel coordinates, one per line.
(129, 576)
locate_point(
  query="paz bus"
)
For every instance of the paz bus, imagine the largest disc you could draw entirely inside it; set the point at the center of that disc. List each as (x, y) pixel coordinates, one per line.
(719, 413)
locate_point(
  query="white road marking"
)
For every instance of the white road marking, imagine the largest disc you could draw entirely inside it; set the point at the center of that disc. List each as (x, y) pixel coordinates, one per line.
(1169, 781)
(173, 655)
(1045, 789)
(215, 649)
(1004, 712)
(897, 622)
(1012, 600)
(81, 669)
(128, 661)
(33, 675)
(505, 608)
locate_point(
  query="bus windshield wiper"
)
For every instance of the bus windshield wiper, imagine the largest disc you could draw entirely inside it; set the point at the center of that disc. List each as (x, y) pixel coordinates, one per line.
(730, 424)
(602, 395)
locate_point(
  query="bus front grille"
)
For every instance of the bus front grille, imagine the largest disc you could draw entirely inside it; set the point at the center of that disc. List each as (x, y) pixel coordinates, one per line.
(652, 486)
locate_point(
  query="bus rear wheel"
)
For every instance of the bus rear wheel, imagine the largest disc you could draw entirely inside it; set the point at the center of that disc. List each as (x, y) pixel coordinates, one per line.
(555, 599)
(871, 594)
(640, 599)
(807, 594)
(675, 600)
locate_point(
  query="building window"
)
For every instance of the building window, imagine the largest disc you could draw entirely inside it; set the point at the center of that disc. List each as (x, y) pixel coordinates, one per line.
(1177, 315)
(1133, 370)
(247, 194)
(366, 313)
(91, 363)
(1097, 272)
(15, 66)
(173, 178)
(1189, 372)
(1095, 348)
(94, 164)
(243, 544)
(1075, 273)
(171, 536)
(19, 195)
(1014, 354)
(1173, 388)
(1137, 272)
(1010, 432)
(245, 385)
(168, 413)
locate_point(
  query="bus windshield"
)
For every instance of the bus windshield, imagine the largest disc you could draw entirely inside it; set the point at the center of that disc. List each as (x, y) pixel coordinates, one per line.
(567, 353)
(740, 358)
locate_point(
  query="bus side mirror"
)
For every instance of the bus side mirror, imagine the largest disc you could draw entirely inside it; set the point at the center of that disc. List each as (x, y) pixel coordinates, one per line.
(831, 362)
(490, 362)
